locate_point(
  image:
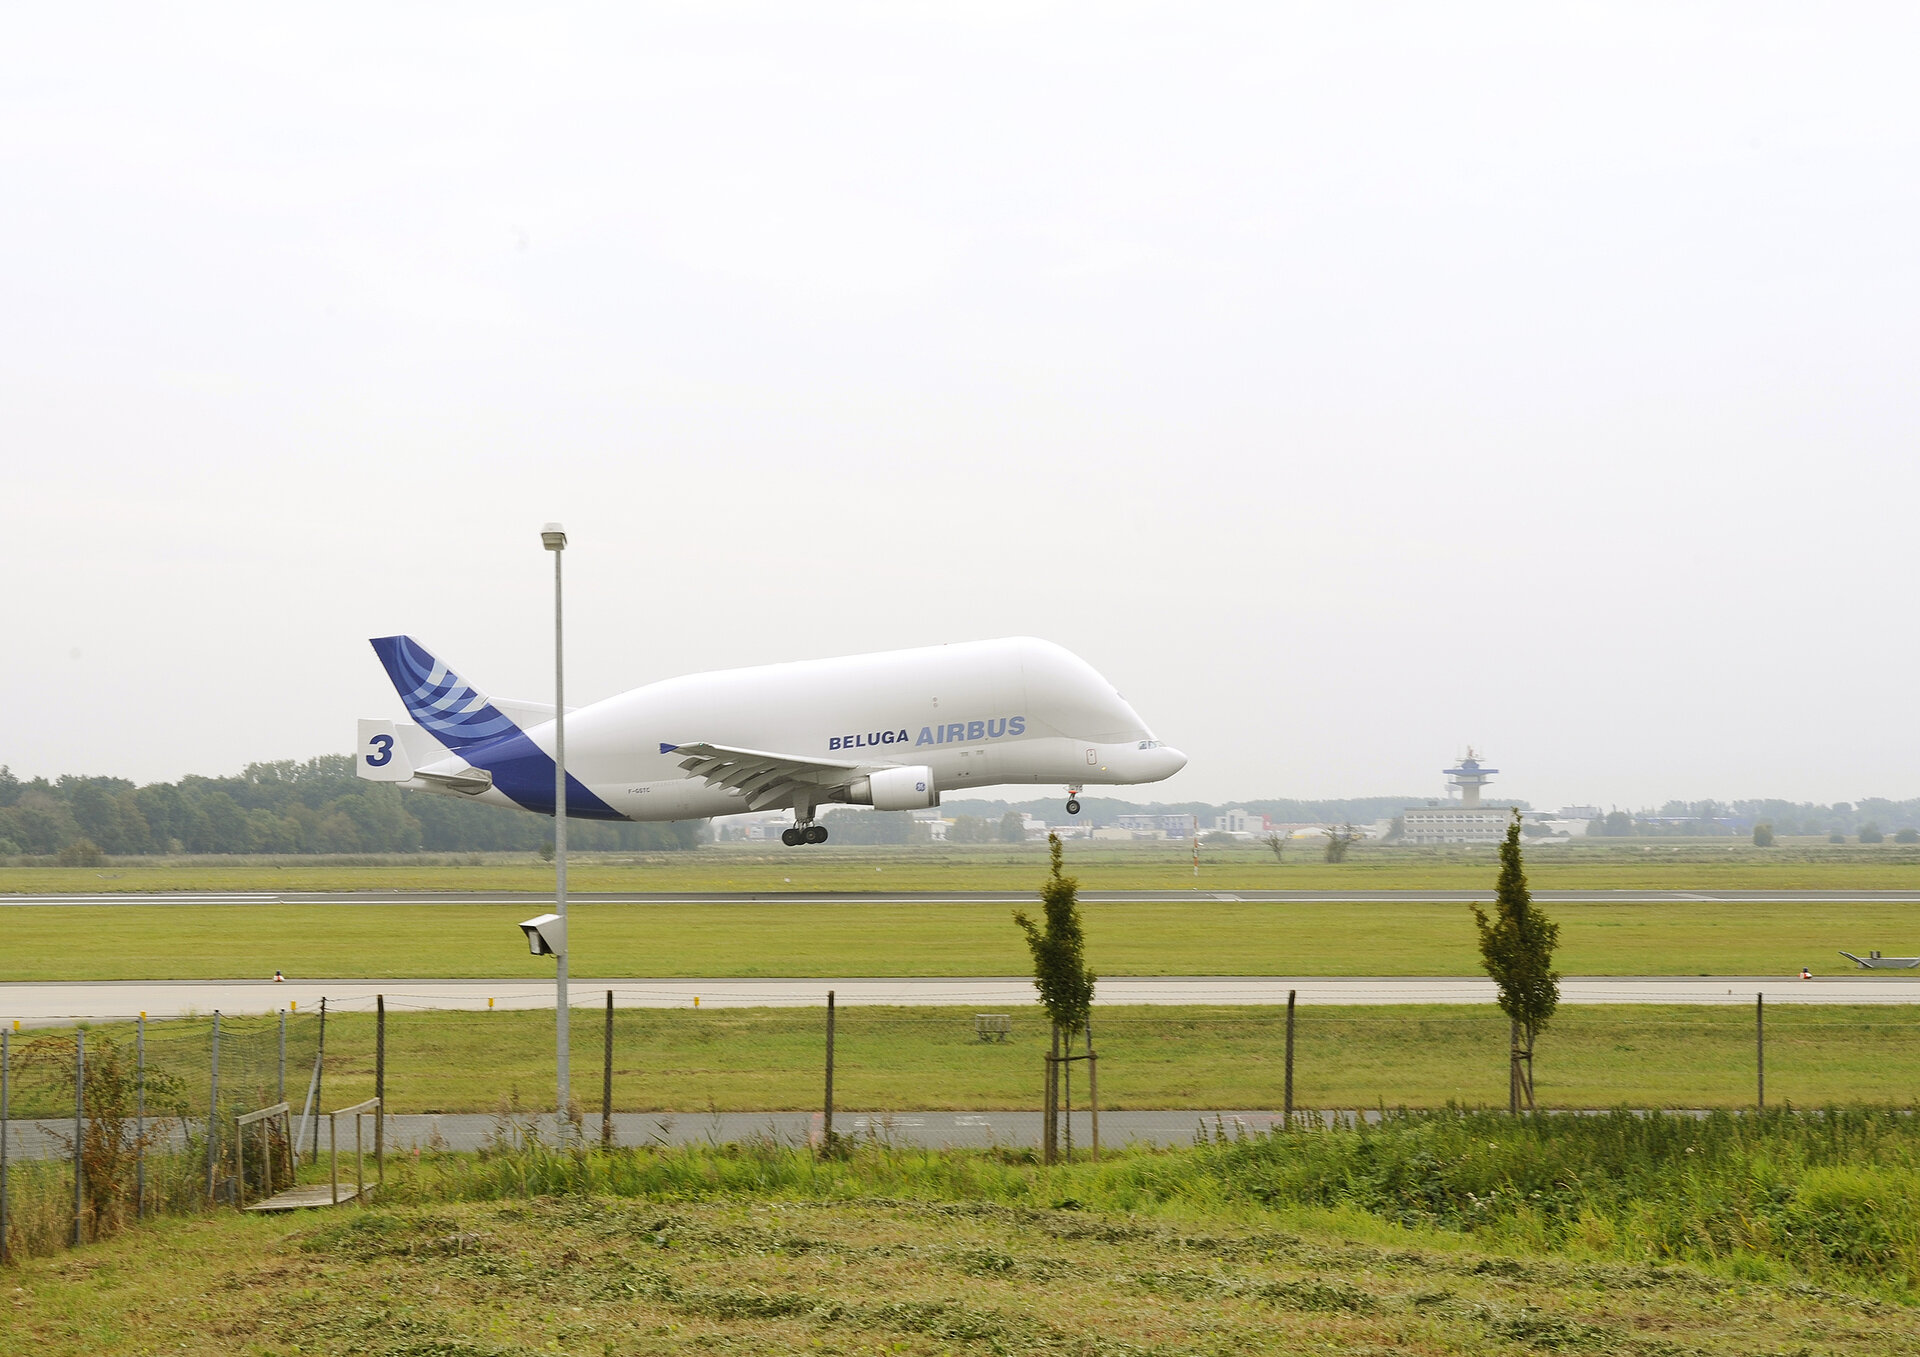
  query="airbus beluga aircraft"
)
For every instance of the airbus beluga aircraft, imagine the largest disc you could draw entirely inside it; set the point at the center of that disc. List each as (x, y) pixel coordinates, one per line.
(893, 731)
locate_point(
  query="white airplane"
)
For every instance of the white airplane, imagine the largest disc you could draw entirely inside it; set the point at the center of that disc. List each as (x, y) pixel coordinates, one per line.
(892, 731)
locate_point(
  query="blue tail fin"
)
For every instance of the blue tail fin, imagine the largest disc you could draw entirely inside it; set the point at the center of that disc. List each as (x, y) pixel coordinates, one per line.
(457, 713)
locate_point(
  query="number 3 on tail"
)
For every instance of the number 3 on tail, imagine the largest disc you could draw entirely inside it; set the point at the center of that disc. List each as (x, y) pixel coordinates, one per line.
(383, 744)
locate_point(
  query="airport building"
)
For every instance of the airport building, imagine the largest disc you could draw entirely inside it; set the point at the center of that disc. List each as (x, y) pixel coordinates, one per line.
(1242, 822)
(1155, 826)
(1451, 823)
(1465, 820)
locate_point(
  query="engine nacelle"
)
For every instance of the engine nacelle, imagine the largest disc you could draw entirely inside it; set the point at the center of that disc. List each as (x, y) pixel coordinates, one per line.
(896, 789)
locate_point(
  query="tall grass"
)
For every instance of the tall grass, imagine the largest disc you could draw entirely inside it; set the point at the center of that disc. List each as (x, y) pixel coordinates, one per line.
(1825, 1197)
(129, 1166)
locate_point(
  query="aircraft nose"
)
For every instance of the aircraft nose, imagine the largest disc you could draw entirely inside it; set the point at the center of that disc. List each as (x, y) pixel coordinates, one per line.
(1171, 760)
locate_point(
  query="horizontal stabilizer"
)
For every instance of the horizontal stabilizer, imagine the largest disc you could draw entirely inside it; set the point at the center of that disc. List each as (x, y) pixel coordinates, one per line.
(470, 781)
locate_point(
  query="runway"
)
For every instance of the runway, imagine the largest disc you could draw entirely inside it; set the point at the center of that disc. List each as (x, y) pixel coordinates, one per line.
(1088, 895)
(57, 1003)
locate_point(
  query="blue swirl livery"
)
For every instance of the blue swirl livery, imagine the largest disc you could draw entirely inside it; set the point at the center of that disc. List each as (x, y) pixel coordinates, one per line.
(457, 713)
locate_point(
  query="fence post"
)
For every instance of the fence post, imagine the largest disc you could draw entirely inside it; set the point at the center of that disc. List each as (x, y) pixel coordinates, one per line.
(380, 1073)
(319, 1065)
(79, 1129)
(140, 1117)
(827, 1136)
(1287, 1104)
(1093, 1088)
(6, 1133)
(1760, 1048)
(280, 1084)
(213, 1113)
(606, 1081)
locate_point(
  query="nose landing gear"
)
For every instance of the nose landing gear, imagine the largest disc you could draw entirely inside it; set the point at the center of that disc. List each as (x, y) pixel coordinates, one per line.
(1073, 800)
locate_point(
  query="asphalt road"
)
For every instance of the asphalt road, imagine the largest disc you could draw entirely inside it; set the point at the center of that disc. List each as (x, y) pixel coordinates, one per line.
(50, 1138)
(1819, 897)
(56, 1003)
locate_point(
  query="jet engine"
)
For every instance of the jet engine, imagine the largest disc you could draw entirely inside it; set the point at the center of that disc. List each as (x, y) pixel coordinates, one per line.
(896, 789)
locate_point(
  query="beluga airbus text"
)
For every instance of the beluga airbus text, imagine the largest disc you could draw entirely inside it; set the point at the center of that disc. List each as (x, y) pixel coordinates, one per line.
(892, 730)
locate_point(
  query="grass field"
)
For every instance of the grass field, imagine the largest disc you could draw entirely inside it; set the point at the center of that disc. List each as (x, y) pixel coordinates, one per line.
(878, 1276)
(1693, 864)
(1201, 937)
(688, 1062)
(1443, 1236)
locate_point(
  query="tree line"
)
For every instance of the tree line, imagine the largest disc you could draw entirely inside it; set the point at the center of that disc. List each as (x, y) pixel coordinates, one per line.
(318, 806)
(1870, 820)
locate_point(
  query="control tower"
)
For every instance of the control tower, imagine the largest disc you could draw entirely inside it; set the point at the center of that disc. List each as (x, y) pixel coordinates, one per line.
(1469, 778)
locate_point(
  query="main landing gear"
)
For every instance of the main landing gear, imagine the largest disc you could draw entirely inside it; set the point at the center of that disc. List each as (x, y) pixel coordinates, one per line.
(800, 834)
(1073, 800)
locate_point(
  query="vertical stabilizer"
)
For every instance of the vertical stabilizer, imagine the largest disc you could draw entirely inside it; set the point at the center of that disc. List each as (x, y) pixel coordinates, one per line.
(457, 713)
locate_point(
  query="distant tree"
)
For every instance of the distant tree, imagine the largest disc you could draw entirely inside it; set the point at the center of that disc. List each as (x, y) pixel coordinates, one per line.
(967, 829)
(81, 853)
(1763, 835)
(1516, 948)
(1870, 833)
(1619, 824)
(1013, 827)
(39, 822)
(1907, 835)
(1836, 837)
(1058, 946)
(1279, 846)
(1339, 841)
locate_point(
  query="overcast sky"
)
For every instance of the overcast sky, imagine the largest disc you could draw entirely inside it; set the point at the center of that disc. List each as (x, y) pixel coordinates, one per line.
(1347, 383)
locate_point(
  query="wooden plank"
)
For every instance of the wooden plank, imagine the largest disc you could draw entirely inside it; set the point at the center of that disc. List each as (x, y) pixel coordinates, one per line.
(302, 1198)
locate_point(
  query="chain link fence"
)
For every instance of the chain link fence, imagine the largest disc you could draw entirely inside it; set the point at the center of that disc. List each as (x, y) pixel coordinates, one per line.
(156, 1125)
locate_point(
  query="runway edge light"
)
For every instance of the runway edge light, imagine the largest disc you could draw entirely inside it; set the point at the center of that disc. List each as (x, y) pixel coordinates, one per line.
(546, 935)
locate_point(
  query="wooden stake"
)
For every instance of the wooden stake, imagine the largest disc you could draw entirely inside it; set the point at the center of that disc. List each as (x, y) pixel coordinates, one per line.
(1760, 1049)
(1513, 1068)
(1050, 1111)
(1066, 1084)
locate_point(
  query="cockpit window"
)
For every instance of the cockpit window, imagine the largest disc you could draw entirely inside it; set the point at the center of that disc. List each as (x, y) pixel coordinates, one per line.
(1150, 744)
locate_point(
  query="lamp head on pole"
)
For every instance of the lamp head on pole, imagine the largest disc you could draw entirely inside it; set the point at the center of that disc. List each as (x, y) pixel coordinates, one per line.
(553, 536)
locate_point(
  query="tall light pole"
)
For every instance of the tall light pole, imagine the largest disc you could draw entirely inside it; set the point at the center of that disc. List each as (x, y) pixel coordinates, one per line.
(554, 538)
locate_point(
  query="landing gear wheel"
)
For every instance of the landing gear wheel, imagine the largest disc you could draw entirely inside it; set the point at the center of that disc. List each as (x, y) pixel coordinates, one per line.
(1073, 805)
(816, 833)
(791, 838)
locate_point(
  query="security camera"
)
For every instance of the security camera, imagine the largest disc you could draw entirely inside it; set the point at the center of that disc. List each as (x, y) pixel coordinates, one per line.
(546, 935)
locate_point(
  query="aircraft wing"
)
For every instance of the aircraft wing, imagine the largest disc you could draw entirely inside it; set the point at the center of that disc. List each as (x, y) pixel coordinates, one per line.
(762, 778)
